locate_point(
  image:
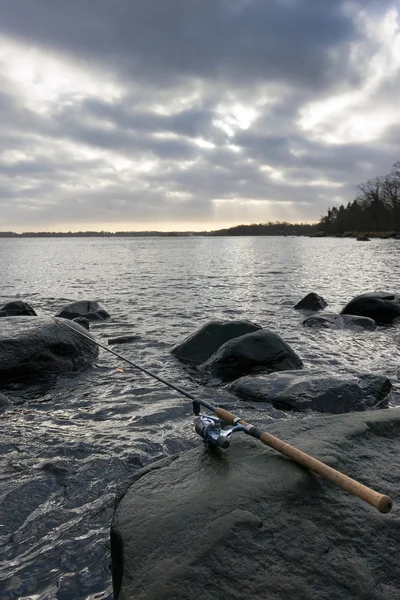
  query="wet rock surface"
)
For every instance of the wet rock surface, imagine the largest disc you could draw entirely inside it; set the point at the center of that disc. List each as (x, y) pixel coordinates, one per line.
(84, 308)
(320, 392)
(247, 522)
(17, 308)
(311, 302)
(123, 339)
(262, 350)
(4, 401)
(85, 323)
(383, 307)
(332, 321)
(201, 344)
(42, 347)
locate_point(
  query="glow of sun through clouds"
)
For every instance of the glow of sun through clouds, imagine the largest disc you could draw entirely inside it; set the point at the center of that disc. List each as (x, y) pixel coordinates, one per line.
(362, 115)
(231, 118)
(42, 81)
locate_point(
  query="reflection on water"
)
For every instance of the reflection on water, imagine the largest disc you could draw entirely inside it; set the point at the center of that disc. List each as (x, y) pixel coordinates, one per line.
(66, 450)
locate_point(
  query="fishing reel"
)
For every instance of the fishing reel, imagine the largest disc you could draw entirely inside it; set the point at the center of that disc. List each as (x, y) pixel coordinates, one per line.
(210, 428)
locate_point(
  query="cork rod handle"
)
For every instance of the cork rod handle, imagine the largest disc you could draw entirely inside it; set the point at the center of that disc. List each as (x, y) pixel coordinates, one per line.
(379, 501)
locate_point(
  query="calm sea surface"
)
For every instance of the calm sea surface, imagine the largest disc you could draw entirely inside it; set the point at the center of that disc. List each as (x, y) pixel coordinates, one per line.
(67, 450)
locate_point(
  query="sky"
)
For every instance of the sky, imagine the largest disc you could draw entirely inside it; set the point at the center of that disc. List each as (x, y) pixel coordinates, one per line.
(192, 114)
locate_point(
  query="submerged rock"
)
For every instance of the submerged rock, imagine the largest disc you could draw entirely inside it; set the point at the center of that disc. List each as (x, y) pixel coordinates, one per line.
(254, 352)
(84, 308)
(246, 523)
(320, 392)
(201, 344)
(384, 308)
(331, 321)
(311, 302)
(42, 347)
(123, 339)
(363, 238)
(17, 308)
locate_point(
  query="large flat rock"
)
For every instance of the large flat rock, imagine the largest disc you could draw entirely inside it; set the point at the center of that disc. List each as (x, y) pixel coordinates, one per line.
(247, 523)
(319, 391)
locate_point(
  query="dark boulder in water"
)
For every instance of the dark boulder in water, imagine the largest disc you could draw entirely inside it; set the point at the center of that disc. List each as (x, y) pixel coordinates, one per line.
(17, 308)
(363, 238)
(311, 302)
(4, 401)
(254, 352)
(123, 339)
(84, 308)
(247, 523)
(83, 321)
(201, 344)
(320, 392)
(384, 308)
(42, 347)
(331, 321)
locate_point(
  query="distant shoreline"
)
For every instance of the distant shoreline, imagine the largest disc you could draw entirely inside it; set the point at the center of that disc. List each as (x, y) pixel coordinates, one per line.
(254, 230)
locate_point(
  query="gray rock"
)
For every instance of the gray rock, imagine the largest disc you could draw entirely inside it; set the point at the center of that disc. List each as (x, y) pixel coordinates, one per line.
(84, 308)
(4, 401)
(316, 391)
(17, 308)
(246, 523)
(41, 347)
(201, 344)
(83, 321)
(363, 238)
(311, 302)
(332, 321)
(124, 339)
(254, 352)
(383, 307)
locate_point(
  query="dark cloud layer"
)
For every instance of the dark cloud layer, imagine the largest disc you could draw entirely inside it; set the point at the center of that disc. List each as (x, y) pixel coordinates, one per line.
(189, 112)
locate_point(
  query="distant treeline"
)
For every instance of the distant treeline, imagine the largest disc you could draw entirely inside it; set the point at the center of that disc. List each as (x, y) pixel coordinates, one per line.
(271, 228)
(376, 207)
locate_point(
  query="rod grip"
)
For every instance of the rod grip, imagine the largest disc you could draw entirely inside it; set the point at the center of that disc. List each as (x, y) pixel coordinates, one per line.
(379, 501)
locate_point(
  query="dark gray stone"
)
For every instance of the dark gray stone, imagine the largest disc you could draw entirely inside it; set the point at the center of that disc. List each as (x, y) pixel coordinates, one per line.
(83, 321)
(41, 347)
(254, 352)
(311, 302)
(331, 321)
(321, 392)
(384, 308)
(124, 339)
(201, 344)
(17, 308)
(84, 308)
(363, 238)
(4, 401)
(246, 523)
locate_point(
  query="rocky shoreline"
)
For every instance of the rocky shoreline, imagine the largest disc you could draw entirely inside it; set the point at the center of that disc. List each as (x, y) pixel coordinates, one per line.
(245, 521)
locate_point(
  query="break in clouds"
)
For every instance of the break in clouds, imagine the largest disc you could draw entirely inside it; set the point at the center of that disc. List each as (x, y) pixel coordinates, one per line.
(187, 114)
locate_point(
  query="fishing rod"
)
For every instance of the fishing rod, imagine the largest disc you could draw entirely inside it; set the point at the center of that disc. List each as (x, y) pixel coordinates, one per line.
(209, 427)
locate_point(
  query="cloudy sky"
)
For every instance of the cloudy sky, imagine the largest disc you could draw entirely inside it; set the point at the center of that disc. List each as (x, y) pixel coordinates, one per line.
(192, 114)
